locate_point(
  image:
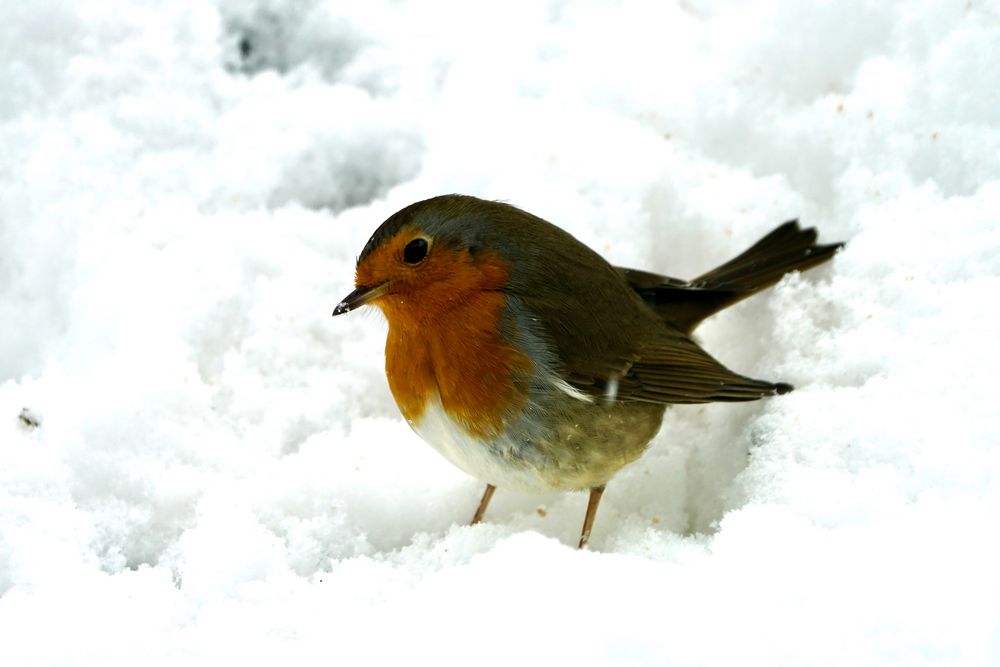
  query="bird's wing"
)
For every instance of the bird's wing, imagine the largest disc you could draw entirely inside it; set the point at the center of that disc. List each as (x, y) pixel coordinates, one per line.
(670, 369)
(630, 355)
(592, 326)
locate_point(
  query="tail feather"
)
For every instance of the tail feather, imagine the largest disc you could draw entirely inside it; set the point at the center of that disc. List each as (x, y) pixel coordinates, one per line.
(685, 304)
(787, 248)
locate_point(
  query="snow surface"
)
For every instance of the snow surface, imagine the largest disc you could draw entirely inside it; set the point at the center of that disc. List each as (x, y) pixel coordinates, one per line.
(198, 465)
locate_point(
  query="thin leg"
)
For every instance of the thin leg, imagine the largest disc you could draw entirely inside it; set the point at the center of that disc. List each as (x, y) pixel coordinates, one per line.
(481, 510)
(588, 519)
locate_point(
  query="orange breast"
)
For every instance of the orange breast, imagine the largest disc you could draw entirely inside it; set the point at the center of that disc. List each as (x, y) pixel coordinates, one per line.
(462, 357)
(444, 337)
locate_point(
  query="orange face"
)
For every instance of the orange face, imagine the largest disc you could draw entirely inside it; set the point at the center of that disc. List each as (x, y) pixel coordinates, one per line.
(422, 285)
(444, 306)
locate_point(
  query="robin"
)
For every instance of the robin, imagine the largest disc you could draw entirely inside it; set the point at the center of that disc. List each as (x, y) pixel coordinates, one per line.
(530, 362)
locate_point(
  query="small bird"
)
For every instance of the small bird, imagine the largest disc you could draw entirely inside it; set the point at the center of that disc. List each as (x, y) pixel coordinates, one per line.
(530, 362)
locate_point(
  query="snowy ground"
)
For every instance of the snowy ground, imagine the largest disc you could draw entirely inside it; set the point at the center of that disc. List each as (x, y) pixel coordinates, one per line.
(210, 468)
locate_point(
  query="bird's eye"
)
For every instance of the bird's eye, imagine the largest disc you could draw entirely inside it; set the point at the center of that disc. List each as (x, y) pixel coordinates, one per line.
(415, 251)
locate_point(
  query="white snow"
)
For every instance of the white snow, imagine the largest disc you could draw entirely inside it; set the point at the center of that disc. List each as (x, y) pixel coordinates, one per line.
(199, 466)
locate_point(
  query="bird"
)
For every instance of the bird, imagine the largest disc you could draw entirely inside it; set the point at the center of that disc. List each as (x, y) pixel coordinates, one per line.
(533, 364)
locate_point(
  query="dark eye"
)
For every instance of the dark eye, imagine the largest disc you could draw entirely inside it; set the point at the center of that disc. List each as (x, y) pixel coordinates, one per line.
(415, 251)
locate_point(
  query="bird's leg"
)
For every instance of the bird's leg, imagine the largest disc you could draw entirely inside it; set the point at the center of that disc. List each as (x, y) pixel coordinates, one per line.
(588, 519)
(481, 510)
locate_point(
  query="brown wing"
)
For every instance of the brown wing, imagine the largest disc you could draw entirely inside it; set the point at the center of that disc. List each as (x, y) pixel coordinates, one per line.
(611, 344)
(674, 369)
(584, 319)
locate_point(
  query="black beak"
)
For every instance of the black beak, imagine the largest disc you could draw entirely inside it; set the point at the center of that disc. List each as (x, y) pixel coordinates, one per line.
(360, 297)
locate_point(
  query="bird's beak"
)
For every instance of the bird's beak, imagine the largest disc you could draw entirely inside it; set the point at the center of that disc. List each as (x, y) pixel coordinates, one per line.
(360, 297)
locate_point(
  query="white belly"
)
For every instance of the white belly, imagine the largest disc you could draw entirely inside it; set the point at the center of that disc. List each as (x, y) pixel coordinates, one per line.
(492, 463)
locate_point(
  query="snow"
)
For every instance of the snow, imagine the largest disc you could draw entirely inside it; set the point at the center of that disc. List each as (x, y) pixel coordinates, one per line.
(199, 465)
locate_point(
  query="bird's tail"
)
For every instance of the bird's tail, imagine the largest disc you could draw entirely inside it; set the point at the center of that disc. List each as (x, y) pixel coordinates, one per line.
(686, 303)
